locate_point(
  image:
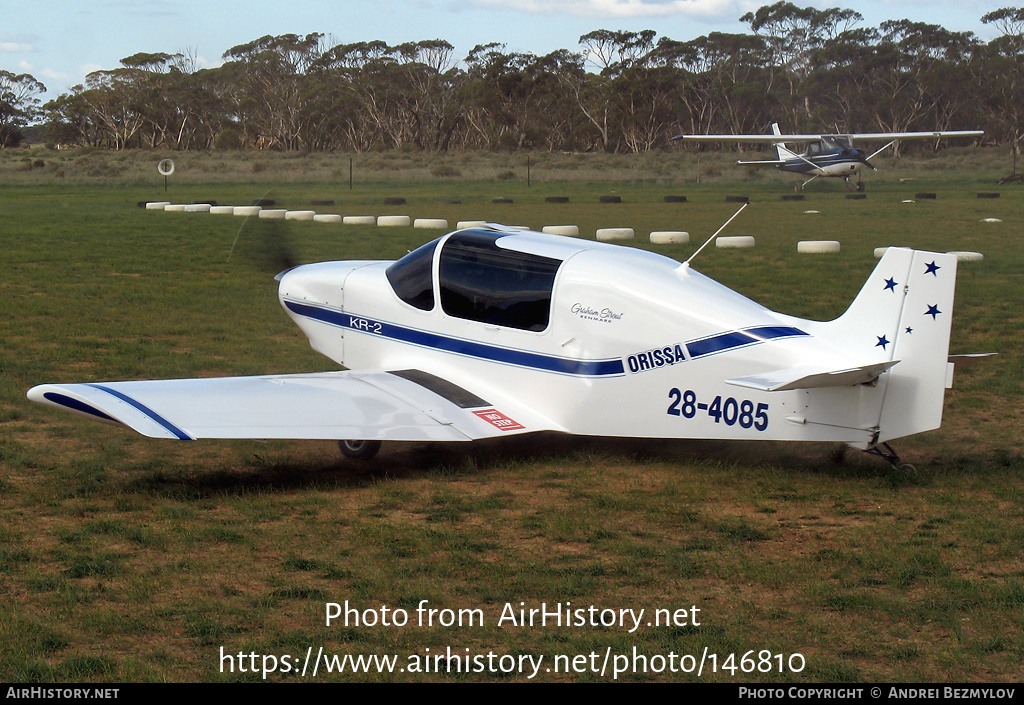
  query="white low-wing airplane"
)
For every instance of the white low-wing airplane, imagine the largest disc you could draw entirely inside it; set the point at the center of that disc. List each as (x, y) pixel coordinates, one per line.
(825, 155)
(493, 331)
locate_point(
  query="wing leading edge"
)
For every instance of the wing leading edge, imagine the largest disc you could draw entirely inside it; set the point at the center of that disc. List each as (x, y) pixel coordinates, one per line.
(374, 405)
(852, 136)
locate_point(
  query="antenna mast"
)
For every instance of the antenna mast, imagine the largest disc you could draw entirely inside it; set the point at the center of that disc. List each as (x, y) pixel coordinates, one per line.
(717, 232)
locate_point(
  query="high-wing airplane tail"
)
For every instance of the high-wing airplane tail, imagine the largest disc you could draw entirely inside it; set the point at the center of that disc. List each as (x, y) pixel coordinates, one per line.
(782, 153)
(902, 315)
(780, 147)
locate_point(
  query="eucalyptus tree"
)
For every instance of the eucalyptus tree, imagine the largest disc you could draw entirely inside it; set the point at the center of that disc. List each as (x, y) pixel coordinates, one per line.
(724, 82)
(1002, 91)
(640, 90)
(69, 120)
(843, 81)
(424, 83)
(621, 58)
(559, 122)
(19, 105)
(173, 99)
(271, 93)
(498, 96)
(792, 36)
(354, 94)
(924, 74)
(514, 100)
(383, 93)
(152, 100)
(116, 100)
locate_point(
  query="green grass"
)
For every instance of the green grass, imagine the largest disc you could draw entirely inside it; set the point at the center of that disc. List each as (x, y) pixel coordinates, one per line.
(124, 558)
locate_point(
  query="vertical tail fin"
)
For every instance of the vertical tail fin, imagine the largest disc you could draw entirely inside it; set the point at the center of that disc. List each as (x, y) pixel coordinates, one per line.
(916, 387)
(779, 146)
(903, 313)
(782, 153)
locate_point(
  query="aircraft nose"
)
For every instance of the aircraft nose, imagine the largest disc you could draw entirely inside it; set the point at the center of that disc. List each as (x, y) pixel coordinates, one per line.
(280, 275)
(322, 283)
(303, 282)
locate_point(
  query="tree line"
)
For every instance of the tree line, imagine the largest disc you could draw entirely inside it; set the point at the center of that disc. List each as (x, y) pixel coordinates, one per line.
(810, 70)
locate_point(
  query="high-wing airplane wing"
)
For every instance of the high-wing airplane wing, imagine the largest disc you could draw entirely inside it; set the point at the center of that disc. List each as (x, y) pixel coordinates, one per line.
(767, 139)
(853, 137)
(868, 136)
(405, 405)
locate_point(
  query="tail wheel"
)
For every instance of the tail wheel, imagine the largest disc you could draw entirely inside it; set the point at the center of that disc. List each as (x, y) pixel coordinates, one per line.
(359, 450)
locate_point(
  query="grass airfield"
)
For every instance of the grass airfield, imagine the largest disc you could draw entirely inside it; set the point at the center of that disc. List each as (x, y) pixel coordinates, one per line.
(128, 559)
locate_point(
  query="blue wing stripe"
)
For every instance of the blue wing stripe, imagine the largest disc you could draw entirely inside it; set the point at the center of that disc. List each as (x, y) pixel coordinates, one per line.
(181, 435)
(76, 405)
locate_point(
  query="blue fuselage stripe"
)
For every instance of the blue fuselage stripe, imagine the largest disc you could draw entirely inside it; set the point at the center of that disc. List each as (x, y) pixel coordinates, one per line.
(181, 435)
(521, 358)
(740, 338)
(588, 368)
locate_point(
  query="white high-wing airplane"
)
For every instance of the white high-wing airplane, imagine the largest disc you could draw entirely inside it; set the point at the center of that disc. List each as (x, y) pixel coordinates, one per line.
(492, 331)
(825, 155)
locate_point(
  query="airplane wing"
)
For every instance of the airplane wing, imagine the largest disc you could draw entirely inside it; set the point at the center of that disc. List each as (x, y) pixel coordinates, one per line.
(404, 405)
(767, 139)
(868, 136)
(862, 136)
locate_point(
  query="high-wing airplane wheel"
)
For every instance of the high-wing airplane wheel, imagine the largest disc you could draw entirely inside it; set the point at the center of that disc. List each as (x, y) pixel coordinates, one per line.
(359, 450)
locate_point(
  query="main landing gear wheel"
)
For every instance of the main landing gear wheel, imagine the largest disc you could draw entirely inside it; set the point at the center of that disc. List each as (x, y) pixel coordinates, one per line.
(907, 470)
(359, 450)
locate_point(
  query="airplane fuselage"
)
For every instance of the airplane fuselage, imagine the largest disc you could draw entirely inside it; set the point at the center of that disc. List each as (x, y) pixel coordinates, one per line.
(531, 320)
(830, 157)
(834, 164)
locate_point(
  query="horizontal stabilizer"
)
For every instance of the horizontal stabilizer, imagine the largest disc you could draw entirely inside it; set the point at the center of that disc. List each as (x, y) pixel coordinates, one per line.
(811, 376)
(768, 162)
(369, 405)
(965, 359)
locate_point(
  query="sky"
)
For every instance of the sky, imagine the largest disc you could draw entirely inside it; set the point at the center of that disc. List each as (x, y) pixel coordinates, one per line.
(60, 41)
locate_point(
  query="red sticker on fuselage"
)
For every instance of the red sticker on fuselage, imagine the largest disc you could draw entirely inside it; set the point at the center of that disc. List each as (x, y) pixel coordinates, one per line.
(498, 420)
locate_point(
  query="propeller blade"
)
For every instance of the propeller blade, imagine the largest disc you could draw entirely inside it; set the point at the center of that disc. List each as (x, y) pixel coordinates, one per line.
(266, 245)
